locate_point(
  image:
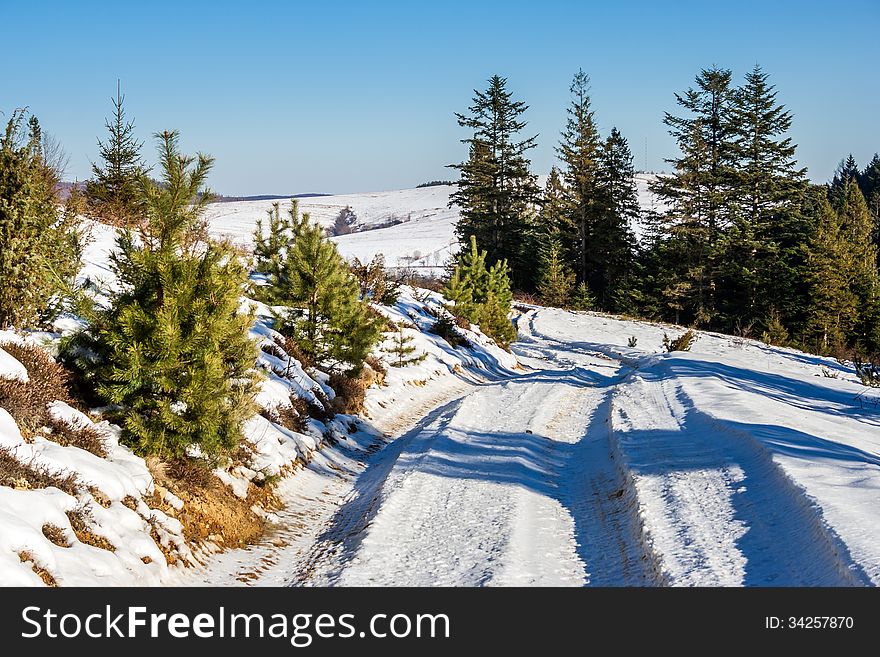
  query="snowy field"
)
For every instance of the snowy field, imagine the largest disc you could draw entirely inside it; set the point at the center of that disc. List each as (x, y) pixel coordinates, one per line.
(424, 240)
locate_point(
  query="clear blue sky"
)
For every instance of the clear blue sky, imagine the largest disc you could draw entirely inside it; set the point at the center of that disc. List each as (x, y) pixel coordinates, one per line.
(358, 96)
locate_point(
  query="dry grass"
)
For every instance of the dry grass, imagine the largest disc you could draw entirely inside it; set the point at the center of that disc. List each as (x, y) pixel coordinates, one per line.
(55, 534)
(81, 520)
(193, 474)
(293, 416)
(28, 402)
(84, 437)
(28, 476)
(42, 573)
(350, 393)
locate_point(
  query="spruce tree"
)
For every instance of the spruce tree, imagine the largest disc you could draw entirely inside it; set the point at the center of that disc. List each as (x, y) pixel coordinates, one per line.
(401, 349)
(613, 239)
(112, 195)
(698, 194)
(869, 183)
(496, 192)
(40, 245)
(768, 190)
(582, 298)
(579, 150)
(172, 353)
(557, 280)
(847, 169)
(833, 310)
(324, 314)
(481, 295)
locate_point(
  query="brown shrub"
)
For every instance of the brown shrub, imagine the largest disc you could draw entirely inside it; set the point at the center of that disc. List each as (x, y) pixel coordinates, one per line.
(462, 322)
(190, 473)
(85, 437)
(55, 534)
(350, 393)
(27, 476)
(47, 381)
(41, 572)
(81, 520)
(293, 416)
(292, 348)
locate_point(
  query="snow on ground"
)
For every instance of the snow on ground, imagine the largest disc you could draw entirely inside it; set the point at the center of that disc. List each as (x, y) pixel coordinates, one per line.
(424, 238)
(734, 464)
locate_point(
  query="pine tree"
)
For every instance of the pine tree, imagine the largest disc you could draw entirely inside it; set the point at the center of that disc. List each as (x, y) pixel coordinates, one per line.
(613, 239)
(847, 169)
(579, 150)
(401, 349)
(582, 298)
(172, 352)
(496, 192)
(768, 188)
(481, 295)
(112, 195)
(556, 281)
(698, 193)
(832, 314)
(270, 250)
(555, 215)
(325, 316)
(40, 246)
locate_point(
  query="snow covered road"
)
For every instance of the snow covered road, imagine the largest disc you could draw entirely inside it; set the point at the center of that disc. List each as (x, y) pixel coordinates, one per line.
(602, 465)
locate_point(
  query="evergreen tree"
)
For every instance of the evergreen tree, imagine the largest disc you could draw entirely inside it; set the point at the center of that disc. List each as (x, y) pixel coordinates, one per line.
(556, 281)
(40, 246)
(555, 215)
(613, 239)
(832, 314)
(698, 194)
(401, 349)
(847, 170)
(496, 191)
(112, 195)
(768, 189)
(324, 315)
(582, 298)
(270, 250)
(172, 352)
(579, 150)
(869, 183)
(481, 295)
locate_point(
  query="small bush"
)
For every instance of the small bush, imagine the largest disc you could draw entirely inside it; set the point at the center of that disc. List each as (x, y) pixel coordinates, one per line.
(462, 322)
(85, 437)
(868, 371)
(681, 343)
(445, 327)
(81, 520)
(293, 416)
(292, 349)
(27, 476)
(194, 473)
(350, 393)
(28, 402)
(56, 535)
(632, 342)
(377, 365)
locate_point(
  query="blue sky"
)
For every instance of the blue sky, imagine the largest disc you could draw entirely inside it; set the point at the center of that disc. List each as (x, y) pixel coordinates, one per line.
(354, 96)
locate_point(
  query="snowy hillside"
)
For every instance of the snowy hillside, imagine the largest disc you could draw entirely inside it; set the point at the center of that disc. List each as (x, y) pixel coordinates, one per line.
(424, 239)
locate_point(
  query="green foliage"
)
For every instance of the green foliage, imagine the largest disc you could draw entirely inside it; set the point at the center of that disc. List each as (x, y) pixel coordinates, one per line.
(496, 191)
(324, 316)
(582, 298)
(482, 295)
(446, 328)
(270, 250)
(113, 194)
(401, 349)
(556, 280)
(776, 333)
(172, 353)
(681, 343)
(40, 246)
(374, 282)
